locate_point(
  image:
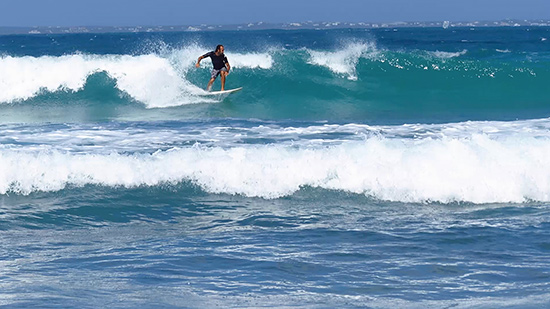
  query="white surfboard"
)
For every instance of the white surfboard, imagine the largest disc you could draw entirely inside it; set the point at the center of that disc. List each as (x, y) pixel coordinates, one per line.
(223, 92)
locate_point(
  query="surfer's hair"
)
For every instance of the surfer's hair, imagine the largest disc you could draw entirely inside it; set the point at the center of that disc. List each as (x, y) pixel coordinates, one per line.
(218, 47)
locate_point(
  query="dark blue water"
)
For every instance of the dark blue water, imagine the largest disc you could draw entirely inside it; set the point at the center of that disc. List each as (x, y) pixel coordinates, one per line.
(157, 247)
(356, 168)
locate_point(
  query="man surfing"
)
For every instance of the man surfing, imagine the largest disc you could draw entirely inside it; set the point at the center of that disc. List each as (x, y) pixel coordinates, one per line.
(220, 63)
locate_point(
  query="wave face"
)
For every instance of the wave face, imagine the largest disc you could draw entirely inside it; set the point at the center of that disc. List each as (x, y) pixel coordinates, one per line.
(339, 75)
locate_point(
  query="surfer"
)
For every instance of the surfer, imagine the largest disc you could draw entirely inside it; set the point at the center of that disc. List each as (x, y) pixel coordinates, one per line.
(220, 63)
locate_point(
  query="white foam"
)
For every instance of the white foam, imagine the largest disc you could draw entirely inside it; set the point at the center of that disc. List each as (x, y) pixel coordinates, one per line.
(153, 79)
(251, 60)
(476, 168)
(447, 55)
(147, 78)
(84, 138)
(344, 61)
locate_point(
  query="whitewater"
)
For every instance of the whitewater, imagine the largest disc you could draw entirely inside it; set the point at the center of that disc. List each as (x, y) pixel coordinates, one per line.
(357, 168)
(154, 80)
(482, 163)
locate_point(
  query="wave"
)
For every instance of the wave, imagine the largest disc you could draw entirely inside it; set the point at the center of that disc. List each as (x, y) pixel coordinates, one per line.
(152, 79)
(465, 162)
(344, 61)
(147, 78)
(358, 80)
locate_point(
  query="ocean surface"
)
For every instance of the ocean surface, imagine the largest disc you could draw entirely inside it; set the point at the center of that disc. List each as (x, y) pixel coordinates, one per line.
(405, 167)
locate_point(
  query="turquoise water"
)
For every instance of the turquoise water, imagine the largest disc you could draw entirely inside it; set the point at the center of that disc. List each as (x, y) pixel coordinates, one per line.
(357, 168)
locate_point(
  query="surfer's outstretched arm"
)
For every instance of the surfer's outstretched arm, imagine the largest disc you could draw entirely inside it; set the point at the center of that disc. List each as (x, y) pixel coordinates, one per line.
(199, 62)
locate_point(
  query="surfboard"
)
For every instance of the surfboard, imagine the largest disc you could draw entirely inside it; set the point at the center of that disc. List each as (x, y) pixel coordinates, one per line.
(223, 92)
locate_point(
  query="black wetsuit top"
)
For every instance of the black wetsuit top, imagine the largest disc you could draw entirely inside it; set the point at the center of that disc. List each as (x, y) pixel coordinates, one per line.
(218, 61)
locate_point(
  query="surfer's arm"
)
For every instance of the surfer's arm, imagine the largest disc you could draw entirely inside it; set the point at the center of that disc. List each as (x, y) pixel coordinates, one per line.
(227, 64)
(199, 62)
(202, 57)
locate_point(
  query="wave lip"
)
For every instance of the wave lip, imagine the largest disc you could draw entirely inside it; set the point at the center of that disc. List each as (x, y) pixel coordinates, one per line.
(343, 62)
(251, 60)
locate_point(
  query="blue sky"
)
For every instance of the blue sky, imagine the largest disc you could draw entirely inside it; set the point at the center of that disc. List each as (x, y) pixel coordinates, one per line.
(184, 12)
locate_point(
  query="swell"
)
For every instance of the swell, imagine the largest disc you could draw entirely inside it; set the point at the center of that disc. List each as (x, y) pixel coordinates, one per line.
(362, 82)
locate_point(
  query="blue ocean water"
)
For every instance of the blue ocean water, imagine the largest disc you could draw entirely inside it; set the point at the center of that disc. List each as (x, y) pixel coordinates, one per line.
(385, 167)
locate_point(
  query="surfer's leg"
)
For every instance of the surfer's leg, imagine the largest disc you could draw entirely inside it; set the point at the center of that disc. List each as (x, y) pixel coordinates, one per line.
(223, 74)
(213, 76)
(210, 84)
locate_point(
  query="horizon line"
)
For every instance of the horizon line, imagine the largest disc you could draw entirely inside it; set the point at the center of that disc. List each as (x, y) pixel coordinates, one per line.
(260, 25)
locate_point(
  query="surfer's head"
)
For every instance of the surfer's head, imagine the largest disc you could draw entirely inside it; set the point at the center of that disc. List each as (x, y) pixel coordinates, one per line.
(219, 49)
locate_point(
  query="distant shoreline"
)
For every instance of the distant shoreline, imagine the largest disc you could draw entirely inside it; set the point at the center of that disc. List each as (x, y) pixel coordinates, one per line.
(268, 26)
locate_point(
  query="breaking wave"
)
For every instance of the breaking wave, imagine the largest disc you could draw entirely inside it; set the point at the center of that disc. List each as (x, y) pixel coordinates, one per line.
(286, 83)
(465, 162)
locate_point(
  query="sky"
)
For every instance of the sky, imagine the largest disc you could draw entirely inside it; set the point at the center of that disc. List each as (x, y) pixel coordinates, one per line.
(21, 13)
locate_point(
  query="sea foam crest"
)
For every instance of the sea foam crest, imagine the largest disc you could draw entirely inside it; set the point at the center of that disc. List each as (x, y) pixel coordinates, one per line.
(155, 80)
(343, 62)
(251, 60)
(476, 169)
(147, 78)
(447, 55)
